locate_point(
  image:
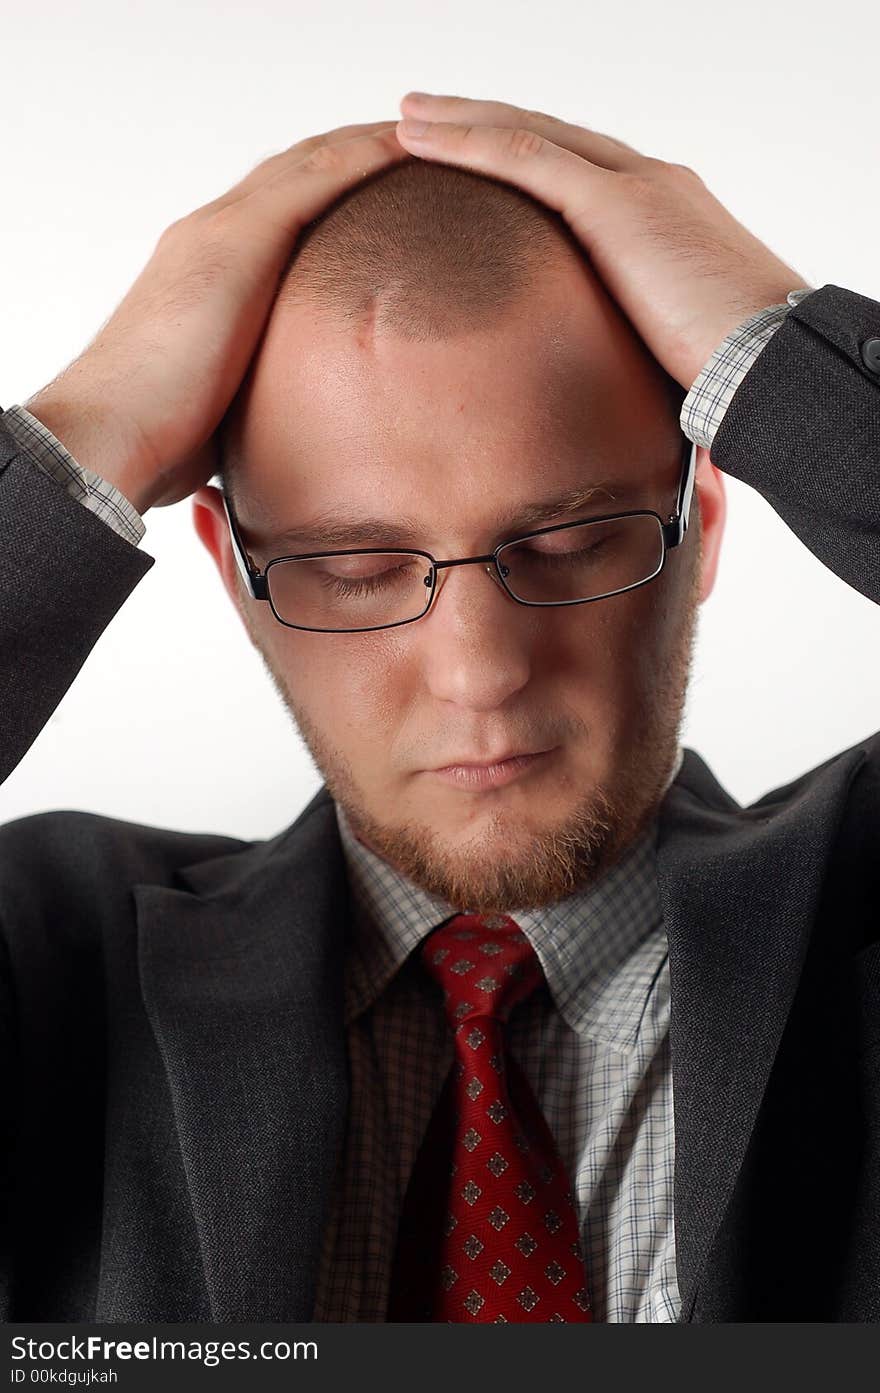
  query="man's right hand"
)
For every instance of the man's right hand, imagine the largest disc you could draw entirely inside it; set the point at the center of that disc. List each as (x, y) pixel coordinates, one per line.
(141, 404)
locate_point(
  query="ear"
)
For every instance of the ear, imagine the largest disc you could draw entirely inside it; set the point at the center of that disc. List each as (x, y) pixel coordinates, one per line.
(209, 520)
(709, 485)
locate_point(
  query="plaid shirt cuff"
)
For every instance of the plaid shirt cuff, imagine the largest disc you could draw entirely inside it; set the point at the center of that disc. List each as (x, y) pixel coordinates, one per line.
(95, 493)
(712, 392)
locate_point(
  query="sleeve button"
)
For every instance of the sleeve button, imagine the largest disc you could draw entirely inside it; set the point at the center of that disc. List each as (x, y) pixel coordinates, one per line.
(871, 354)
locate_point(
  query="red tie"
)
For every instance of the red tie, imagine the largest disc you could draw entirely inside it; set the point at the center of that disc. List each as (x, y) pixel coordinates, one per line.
(488, 1230)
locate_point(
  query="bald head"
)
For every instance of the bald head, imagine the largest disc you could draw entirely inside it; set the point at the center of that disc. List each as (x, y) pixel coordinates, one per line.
(428, 250)
(423, 252)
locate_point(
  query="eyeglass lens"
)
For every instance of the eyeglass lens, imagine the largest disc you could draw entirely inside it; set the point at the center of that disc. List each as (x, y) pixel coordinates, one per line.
(350, 590)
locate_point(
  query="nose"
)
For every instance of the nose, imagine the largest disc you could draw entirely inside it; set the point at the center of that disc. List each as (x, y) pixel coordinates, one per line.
(476, 640)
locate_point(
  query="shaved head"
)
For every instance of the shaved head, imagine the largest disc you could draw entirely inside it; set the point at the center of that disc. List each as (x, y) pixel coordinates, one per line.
(432, 250)
(424, 252)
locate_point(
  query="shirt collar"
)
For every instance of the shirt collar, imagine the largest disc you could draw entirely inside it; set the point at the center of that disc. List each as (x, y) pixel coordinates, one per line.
(581, 941)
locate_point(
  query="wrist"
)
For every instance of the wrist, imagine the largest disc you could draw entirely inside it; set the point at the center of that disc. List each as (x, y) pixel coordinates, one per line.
(715, 331)
(95, 441)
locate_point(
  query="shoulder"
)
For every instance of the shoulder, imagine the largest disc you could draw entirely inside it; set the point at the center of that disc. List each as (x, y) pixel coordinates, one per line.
(81, 866)
(850, 776)
(849, 780)
(827, 821)
(92, 840)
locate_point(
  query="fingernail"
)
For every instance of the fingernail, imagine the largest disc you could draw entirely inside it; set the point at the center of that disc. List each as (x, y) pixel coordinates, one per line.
(414, 128)
(418, 96)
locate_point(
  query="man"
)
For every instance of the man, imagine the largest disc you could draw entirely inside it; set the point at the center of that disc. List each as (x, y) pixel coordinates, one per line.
(244, 1039)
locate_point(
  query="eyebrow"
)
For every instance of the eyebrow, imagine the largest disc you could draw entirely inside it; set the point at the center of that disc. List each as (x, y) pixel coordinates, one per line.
(333, 530)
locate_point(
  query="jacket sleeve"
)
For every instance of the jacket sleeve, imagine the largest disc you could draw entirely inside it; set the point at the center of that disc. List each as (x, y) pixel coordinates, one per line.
(803, 428)
(63, 575)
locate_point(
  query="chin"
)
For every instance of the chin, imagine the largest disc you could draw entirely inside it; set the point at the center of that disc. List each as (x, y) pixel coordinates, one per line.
(505, 824)
(506, 855)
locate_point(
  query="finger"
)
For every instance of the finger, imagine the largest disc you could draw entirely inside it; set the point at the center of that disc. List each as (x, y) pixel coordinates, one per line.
(552, 174)
(299, 193)
(600, 149)
(341, 133)
(268, 168)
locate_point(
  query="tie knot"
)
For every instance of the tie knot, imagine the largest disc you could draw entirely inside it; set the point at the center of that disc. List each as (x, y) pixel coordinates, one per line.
(484, 963)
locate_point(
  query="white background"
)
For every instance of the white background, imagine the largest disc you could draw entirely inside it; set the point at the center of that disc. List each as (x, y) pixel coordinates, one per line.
(119, 119)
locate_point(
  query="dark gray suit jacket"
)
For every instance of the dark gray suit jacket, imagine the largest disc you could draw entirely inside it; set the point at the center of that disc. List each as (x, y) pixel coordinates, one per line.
(175, 1080)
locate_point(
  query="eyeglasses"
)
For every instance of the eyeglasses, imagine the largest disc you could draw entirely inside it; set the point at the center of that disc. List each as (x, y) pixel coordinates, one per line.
(571, 563)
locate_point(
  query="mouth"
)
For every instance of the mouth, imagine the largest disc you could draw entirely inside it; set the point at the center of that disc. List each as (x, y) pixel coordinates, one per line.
(504, 771)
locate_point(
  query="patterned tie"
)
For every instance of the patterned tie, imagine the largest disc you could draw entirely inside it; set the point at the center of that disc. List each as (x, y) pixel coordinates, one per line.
(488, 1230)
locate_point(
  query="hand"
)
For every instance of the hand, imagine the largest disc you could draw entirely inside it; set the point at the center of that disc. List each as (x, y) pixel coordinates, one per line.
(141, 403)
(679, 265)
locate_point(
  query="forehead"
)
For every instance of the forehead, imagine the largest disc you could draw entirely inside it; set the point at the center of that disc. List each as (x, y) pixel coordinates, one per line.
(556, 393)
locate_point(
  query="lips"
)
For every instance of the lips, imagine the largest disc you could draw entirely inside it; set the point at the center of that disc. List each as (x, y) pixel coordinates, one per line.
(466, 762)
(486, 776)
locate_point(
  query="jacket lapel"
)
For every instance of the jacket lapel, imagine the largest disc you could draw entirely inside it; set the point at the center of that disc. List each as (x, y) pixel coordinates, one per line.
(740, 890)
(241, 976)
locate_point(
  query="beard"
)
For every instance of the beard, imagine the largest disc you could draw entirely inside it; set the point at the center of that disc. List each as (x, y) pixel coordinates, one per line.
(506, 867)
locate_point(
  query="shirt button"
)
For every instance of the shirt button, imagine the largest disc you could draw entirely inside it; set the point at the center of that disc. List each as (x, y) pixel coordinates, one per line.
(871, 354)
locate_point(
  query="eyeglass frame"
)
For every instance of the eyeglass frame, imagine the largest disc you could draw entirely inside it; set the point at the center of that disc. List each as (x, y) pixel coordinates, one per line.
(672, 531)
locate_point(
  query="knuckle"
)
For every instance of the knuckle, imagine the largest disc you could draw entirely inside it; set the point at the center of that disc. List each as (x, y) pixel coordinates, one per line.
(176, 241)
(172, 232)
(189, 224)
(686, 170)
(524, 144)
(666, 169)
(323, 159)
(311, 142)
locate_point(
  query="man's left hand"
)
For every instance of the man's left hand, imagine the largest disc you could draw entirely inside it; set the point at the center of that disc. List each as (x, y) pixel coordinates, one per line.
(679, 265)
